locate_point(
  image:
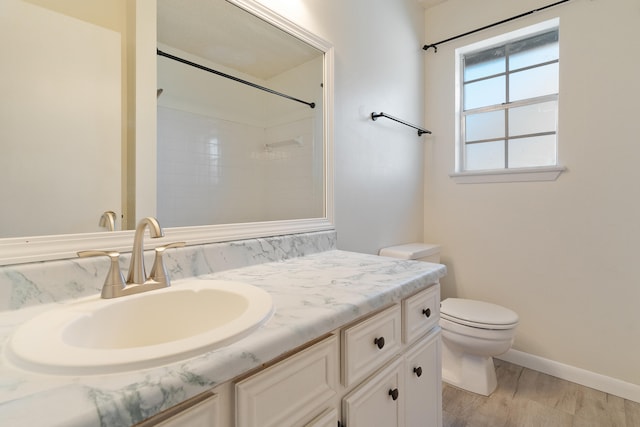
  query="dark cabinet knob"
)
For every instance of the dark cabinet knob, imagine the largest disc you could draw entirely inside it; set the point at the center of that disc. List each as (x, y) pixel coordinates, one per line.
(394, 393)
(418, 371)
(427, 312)
(379, 342)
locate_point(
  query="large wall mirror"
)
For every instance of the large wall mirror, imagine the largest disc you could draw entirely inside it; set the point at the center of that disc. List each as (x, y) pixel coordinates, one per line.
(215, 116)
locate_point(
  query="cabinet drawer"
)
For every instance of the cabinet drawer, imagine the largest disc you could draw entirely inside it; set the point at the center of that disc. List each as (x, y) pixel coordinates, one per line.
(291, 392)
(420, 313)
(369, 344)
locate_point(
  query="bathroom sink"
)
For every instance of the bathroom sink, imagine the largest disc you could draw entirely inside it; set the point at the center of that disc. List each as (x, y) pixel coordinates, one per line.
(97, 336)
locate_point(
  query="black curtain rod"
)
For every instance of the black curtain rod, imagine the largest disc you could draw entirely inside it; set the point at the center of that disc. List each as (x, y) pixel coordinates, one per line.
(374, 116)
(435, 45)
(228, 76)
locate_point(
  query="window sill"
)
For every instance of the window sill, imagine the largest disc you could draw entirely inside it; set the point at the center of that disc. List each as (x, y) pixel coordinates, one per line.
(545, 173)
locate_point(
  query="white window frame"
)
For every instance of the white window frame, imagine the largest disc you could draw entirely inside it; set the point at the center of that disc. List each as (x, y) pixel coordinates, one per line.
(541, 173)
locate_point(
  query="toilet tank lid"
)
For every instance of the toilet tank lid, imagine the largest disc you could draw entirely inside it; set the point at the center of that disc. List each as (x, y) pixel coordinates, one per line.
(410, 250)
(477, 312)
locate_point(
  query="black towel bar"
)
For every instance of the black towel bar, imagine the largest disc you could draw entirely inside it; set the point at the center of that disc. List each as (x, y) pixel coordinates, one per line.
(421, 131)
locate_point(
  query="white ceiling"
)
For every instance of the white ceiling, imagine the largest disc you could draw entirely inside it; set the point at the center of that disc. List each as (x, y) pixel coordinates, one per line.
(229, 36)
(428, 3)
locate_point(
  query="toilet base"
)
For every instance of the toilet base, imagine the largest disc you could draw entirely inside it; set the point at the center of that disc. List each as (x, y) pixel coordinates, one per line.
(476, 374)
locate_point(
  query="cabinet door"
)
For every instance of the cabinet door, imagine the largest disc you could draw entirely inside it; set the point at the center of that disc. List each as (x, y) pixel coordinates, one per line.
(378, 401)
(328, 418)
(423, 397)
(203, 414)
(291, 392)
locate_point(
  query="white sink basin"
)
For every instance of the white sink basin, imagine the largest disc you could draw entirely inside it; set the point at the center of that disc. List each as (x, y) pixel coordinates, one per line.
(97, 336)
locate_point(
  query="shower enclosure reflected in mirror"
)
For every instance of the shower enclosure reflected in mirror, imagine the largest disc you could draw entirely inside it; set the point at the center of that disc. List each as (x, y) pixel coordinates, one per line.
(239, 119)
(230, 161)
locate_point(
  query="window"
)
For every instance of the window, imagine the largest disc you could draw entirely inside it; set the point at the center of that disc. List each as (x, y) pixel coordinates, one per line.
(508, 104)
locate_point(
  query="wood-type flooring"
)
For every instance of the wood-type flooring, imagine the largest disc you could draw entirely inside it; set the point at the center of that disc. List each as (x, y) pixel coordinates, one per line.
(527, 398)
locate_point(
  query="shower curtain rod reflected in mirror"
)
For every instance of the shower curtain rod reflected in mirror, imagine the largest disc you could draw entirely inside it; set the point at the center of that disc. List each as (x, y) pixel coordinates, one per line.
(228, 76)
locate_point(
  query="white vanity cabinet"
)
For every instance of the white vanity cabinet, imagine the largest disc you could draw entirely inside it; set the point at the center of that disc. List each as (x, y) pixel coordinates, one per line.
(407, 391)
(383, 370)
(389, 368)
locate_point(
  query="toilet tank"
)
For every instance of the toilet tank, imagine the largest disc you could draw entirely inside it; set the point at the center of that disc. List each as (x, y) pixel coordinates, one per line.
(417, 251)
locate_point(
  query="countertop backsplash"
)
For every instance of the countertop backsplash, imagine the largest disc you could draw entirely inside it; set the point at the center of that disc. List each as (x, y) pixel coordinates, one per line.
(24, 285)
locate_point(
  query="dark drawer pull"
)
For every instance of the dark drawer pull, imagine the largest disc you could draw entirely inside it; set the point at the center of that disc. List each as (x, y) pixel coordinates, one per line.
(394, 393)
(427, 312)
(379, 342)
(418, 371)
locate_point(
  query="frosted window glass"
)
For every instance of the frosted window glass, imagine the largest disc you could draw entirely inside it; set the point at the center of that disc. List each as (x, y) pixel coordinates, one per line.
(484, 125)
(483, 64)
(536, 151)
(545, 53)
(534, 118)
(485, 155)
(534, 82)
(484, 92)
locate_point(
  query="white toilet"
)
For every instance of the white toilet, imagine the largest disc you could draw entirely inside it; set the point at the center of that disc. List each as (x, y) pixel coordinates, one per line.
(472, 331)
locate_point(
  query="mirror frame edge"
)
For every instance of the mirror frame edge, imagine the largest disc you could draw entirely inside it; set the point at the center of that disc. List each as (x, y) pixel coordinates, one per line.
(19, 250)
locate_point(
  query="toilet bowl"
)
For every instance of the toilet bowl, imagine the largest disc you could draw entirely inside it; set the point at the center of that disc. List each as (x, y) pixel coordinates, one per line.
(473, 332)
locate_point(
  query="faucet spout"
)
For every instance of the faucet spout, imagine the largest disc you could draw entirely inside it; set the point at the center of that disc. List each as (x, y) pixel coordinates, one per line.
(137, 273)
(108, 220)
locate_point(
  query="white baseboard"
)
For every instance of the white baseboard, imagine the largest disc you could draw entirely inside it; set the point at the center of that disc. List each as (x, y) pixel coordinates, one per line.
(580, 376)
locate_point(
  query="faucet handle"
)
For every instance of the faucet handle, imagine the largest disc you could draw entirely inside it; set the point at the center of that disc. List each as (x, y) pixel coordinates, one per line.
(159, 271)
(114, 282)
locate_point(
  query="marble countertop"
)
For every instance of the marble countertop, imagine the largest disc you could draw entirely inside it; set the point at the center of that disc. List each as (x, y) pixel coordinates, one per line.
(313, 295)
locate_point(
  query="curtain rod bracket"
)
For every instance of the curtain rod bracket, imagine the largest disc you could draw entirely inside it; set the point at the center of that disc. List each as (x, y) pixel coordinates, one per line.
(428, 46)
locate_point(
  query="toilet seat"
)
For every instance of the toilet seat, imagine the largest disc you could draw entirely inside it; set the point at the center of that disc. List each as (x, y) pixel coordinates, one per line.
(477, 314)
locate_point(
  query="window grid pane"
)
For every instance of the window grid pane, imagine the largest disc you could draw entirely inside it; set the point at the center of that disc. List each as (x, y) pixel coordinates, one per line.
(533, 118)
(485, 155)
(539, 55)
(484, 92)
(533, 50)
(484, 64)
(538, 81)
(528, 152)
(489, 125)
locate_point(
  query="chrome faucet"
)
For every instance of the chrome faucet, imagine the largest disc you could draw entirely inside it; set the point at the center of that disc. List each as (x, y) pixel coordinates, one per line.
(137, 279)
